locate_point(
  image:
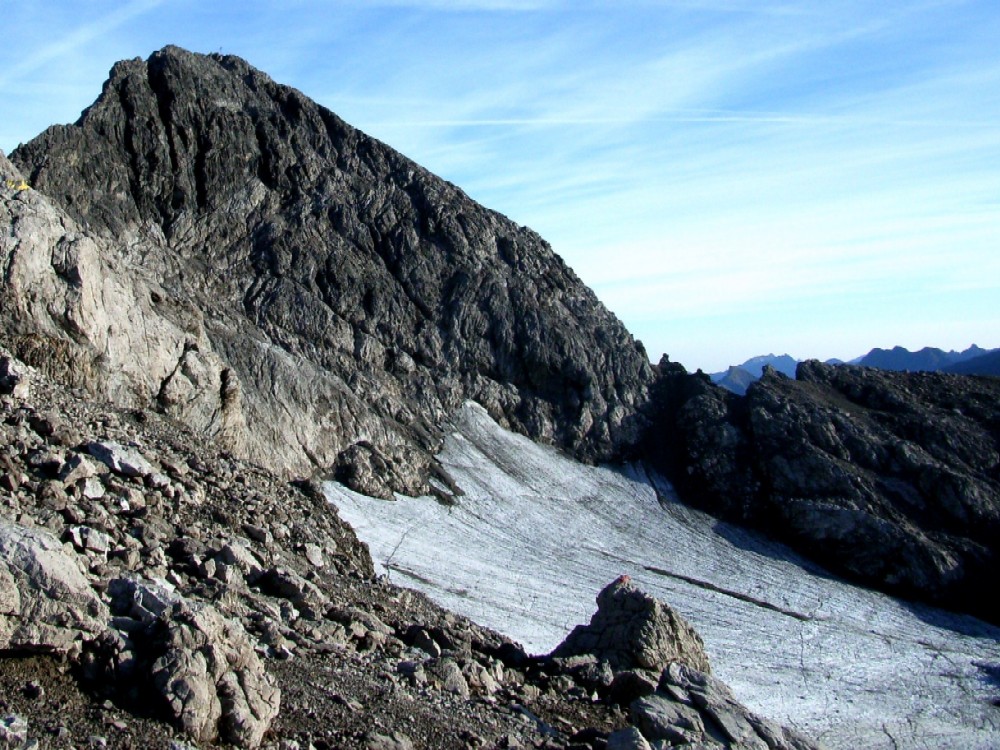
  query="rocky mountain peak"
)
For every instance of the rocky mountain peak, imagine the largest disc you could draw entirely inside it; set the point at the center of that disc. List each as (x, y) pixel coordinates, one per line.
(334, 301)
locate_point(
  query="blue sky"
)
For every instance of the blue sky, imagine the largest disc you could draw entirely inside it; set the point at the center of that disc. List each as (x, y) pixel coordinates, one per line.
(732, 177)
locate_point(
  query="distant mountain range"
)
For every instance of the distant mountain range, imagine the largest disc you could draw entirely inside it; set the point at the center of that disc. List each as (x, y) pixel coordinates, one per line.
(927, 359)
(972, 361)
(984, 364)
(739, 377)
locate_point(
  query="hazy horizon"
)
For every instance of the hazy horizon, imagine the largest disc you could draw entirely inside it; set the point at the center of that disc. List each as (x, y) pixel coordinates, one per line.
(731, 178)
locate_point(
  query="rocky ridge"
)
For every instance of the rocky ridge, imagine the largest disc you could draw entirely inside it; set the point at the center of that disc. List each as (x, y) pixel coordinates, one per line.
(156, 589)
(892, 479)
(298, 290)
(928, 359)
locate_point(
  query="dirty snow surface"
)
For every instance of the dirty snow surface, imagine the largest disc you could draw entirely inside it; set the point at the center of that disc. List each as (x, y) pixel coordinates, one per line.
(536, 536)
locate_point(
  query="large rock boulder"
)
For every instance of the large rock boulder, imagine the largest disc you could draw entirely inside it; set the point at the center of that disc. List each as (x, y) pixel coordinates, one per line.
(13, 379)
(691, 708)
(46, 602)
(633, 630)
(661, 673)
(213, 682)
(196, 664)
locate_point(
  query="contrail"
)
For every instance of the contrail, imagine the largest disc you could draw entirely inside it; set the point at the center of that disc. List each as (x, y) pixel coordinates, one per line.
(77, 38)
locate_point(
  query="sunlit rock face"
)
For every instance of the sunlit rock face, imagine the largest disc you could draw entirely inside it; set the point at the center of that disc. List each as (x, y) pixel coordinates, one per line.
(537, 534)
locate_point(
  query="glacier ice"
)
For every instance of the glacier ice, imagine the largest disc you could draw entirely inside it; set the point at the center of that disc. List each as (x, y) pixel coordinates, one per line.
(537, 535)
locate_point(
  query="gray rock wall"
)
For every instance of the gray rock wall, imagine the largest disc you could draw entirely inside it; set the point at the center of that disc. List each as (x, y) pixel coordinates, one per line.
(72, 305)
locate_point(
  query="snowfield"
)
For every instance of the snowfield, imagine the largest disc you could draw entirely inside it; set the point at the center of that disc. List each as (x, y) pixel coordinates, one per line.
(537, 535)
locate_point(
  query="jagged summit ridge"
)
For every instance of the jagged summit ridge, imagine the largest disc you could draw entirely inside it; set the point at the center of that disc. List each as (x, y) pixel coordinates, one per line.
(351, 299)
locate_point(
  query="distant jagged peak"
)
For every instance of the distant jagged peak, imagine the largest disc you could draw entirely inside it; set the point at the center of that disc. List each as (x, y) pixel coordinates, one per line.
(739, 377)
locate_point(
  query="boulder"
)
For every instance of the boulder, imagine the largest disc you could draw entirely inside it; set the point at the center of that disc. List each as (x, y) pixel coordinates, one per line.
(393, 741)
(660, 718)
(13, 378)
(185, 657)
(121, 459)
(632, 630)
(142, 600)
(46, 601)
(13, 731)
(76, 468)
(691, 707)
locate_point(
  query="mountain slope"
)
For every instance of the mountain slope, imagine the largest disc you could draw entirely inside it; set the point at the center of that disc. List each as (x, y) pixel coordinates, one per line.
(200, 599)
(536, 532)
(214, 245)
(341, 299)
(158, 592)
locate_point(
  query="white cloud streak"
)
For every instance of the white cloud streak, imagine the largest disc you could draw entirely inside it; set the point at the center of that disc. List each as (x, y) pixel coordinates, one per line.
(701, 164)
(78, 38)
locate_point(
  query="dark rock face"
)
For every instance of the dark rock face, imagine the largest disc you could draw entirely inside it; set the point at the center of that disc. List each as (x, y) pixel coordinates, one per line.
(335, 294)
(890, 478)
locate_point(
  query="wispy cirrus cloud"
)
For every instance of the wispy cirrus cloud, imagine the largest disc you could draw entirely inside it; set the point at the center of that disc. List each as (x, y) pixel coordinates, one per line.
(67, 43)
(729, 175)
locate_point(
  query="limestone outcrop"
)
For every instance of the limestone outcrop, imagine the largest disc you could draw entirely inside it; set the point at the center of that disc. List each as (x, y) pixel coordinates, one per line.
(78, 307)
(657, 668)
(46, 602)
(205, 674)
(691, 708)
